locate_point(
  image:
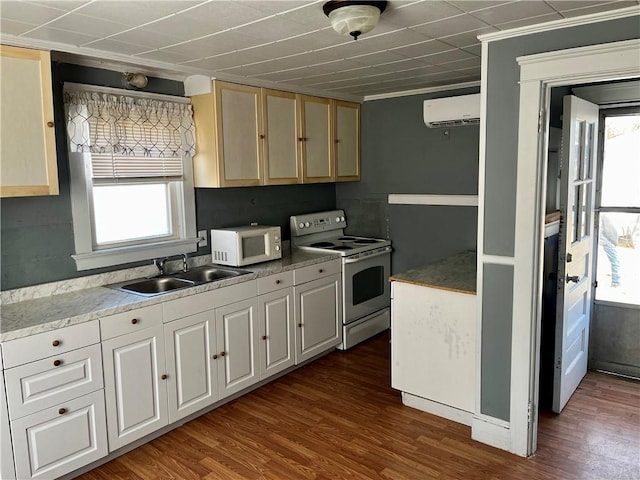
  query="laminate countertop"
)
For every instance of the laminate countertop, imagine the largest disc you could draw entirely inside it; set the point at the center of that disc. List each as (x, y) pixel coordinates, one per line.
(455, 273)
(29, 317)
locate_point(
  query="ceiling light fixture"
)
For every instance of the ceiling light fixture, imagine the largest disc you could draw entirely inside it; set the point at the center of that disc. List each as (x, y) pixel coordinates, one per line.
(137, 80)
(353, 17)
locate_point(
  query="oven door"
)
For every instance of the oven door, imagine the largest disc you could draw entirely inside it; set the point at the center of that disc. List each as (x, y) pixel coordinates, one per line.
(365, 280)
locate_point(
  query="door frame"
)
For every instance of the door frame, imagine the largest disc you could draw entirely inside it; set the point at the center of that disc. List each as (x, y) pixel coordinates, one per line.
(538, 74)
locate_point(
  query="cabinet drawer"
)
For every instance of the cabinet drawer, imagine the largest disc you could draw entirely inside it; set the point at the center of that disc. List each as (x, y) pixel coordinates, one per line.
(131, 321)
(60, 439)
(319, 270)
(43, 345)
(48, 382)
(275, 282)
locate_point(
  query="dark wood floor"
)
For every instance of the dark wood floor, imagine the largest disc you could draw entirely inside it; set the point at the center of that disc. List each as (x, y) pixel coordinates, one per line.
(338, 418)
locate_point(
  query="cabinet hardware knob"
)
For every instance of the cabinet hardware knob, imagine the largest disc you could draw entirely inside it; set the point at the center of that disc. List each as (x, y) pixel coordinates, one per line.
(215, 356)
(262, 136)
(134, 321)
(321, 270)
(303, 139)
(278, 282)
(49, 124)
(264, 337)
(57, 363)
(62, 411)
(164, 376)
(300, 325)
(337, 140)
(222, 354)
(56, 343)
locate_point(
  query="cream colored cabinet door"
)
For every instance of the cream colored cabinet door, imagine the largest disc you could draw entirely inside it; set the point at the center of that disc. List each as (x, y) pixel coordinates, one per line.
(280, 152)
(315, 140)
(347, 140)
(190, 347)
(28, 149)
(58, 440)
(135, 385)
(317, 313)
(237, 346)
(275, 316)
(228, 144)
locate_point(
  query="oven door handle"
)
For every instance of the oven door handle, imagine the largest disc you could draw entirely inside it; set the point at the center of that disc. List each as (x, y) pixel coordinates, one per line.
(366, 257)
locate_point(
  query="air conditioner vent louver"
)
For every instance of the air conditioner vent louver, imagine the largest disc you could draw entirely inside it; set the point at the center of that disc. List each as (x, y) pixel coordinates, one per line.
(452, 111)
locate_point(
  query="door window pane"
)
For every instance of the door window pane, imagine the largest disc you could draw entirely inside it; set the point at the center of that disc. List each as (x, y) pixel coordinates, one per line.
(619, 258)
(621, 164)
(123, 213)
(578, 148)
(585, 226)
(588, 152)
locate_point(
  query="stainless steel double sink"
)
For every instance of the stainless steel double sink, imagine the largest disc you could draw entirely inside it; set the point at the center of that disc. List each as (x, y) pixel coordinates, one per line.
(167, 283)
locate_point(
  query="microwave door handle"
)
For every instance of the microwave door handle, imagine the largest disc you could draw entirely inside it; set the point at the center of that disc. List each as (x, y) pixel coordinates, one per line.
(366, 257)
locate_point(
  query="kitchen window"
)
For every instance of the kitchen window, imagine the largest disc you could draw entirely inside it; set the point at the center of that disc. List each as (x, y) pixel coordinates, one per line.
(132, 189)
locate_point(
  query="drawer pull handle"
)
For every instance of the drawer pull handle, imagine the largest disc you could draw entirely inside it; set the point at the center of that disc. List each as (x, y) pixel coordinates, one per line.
(57, 363)
(300, 325)
(164, 376)
(56, 343)
(222, 354)
(278, 282)
(215, 356)
(321, 270)
(134, 321)
(49, 124)
(62, 411)
(264, 337)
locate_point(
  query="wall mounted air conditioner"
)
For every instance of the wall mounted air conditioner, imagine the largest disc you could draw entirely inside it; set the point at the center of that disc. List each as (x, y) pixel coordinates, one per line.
(452, 111)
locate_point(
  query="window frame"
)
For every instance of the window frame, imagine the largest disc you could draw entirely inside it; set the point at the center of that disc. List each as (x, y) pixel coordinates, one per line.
(182, 204)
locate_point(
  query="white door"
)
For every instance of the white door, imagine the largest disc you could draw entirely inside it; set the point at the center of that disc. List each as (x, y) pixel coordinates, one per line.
(193, 378)
(577, 193)
(135, 386)
(237, 346)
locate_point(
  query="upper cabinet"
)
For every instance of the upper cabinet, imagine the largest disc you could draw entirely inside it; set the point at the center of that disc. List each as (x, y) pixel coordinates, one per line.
(249, 136)
(28, 149)
(347, 140)
(315, 139)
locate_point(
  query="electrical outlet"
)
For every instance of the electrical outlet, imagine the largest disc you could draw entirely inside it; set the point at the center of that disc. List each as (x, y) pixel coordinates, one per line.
(202, 234)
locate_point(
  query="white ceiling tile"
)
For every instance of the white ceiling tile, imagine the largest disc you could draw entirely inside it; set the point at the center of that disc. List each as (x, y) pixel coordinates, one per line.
(123, 48)
(422, 48)
(279, 49)
(61, 36)
(310, 15)
(475, 49)
(400, 66)
(468, 38)
(451, 26)
(419, 13)
(473, 5)
(564, 5)
(224, 13)
(376, 58)
(221, 62)
(88, 25)
(273, 28)
(181, 27)
(467, 63)
(550, 17)
(597, 9)
(164, 56)
(140, 36)
(12, 27)
(29, 13)
(272, 7)
(452, 55)
(66, 5)
(136, 12)
(214, 45)
(511, 12)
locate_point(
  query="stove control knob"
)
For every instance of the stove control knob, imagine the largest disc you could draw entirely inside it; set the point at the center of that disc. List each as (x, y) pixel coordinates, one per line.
(307, 224)
(342, 218)
(277, 248)
(301, 225)
(337, 219)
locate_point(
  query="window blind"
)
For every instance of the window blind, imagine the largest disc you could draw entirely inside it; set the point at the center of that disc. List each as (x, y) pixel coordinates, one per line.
(129, 138)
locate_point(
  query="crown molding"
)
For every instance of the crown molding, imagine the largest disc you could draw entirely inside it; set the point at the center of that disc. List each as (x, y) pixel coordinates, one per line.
(418, 91)
(558, 24)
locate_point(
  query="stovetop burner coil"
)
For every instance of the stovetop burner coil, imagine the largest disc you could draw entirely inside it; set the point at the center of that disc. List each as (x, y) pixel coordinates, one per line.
(321, 244)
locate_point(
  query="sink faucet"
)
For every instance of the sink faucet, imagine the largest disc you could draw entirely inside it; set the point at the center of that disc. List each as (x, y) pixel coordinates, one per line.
(159, 263)
(185, 267)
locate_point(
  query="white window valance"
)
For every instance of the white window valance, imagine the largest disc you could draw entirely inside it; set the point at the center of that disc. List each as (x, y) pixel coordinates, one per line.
(127, 136)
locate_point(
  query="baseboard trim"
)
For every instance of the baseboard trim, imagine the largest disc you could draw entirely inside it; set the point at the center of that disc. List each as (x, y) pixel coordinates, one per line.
(435, 408)
(496, 435)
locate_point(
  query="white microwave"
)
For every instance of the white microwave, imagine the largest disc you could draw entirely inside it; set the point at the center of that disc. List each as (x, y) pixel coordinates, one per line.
(239, 246)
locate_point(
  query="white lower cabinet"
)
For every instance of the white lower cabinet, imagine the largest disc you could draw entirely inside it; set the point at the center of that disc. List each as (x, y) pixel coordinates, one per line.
(237, 346)
(60, 439)
(7, 470)
(135, 385)
(193, 377)
(276, 322)
(318, 316)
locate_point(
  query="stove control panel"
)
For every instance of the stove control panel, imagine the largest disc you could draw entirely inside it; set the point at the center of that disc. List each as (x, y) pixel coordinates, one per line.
(310, 223)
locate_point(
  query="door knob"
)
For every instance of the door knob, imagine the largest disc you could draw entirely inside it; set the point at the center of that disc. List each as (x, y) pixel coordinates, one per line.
(573, 278)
